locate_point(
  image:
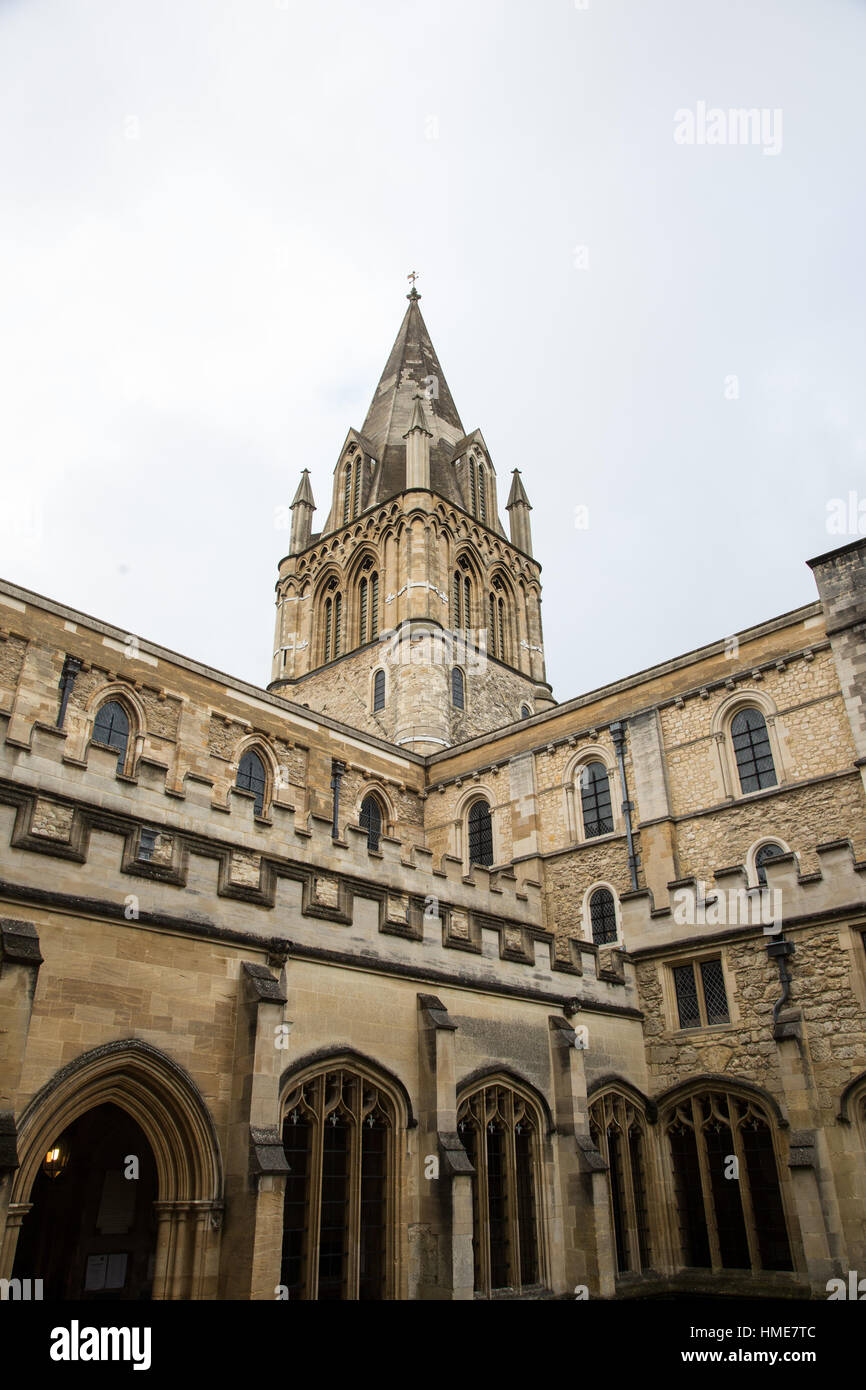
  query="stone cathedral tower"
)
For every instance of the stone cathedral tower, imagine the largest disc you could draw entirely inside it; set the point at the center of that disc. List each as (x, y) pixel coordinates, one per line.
(411, 615)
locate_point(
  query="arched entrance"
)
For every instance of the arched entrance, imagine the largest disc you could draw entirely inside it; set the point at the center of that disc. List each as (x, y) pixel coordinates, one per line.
(167, 1111)
(91, 1231)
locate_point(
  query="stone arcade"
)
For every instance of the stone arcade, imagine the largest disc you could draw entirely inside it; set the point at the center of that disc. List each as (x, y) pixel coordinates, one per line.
(398, 979)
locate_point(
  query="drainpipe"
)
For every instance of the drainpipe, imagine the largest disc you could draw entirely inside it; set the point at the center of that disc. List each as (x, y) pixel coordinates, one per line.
(618, 735)
(337, 770)
(780, 950)
(71, 666)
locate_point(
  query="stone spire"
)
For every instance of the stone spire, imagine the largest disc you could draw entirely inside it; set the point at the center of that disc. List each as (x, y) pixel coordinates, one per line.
(302, 515)
(412, 369)
(518, 507)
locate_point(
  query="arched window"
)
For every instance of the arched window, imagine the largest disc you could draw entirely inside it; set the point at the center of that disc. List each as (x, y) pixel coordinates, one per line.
(461, 598)
(525, 712)
(752, 750)
(251, 778)
(480, 837)
(378, 691)
(497, 642)
(347, 493)
(595, 800)
(333, 637)
(501, 1133)
(339, 1136)
(762, 858)
(111, 726)
(618, 1129)
(358, 476)
(482, 493)
(458, 689)
(371, 820)
(368, 608)
(473, 503)
(602, 916)
(731, 1216)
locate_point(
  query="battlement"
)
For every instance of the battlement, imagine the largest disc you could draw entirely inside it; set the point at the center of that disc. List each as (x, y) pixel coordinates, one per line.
(398, 903)
(730, 902)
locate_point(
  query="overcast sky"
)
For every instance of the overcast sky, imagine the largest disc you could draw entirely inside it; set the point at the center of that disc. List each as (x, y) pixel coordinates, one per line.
(208, 214)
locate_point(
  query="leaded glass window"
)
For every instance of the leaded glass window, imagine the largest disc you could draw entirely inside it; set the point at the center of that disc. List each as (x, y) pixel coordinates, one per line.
(251, 778)
(700, 994)
(111, 726)
(595, 800)
(602, 914)
(480, 828)
(338, 1212)
(752, 750)
(763, 856)
(500, 1130)
(371, 821)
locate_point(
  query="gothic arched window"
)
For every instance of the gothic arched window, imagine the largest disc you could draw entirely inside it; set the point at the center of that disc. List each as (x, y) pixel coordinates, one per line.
(726, 1175)
(461, 597)
(480, 836)
(333, 635)
(371, 820)
(602, 916)
(111, 727)
(617, 1127)
(482, 494)
(347, 493)
(339, 1136)
(378, 691)
(595, 800)
(473, 503)
(458, 688)
(358, 477)
(251, 778)
(368, 608)
(752, 750)
(501, 1133)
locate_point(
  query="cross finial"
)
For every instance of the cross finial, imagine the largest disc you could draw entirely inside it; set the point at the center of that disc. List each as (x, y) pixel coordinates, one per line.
(412, 277)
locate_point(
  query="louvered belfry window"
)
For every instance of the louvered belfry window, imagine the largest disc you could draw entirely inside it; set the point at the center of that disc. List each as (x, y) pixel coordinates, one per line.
(347, 494)
(339, 1206)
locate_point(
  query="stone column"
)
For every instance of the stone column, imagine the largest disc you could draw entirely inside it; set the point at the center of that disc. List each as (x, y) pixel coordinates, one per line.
(20, 959)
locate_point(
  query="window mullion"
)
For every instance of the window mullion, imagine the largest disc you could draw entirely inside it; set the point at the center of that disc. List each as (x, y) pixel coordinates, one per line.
(745, 1190)
(706, 1187)
(315, 1210)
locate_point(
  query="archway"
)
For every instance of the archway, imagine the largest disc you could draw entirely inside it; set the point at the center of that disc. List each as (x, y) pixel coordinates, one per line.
(91, 1231)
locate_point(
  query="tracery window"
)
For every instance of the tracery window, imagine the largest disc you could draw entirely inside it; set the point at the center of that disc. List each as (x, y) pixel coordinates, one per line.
(731, 1213)
(111, 726)
(480, 827)
(595, 800)
(371, 820)
(339, 1207)
(752, 750)
(251, 778)
(617, 1127)
(602, 916)
(501, 1132)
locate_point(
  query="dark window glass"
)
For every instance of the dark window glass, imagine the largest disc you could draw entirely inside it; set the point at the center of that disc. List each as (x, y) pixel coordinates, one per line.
(617, 1198)
(595, 800)
(690, 1202)
(378, 691)
(480, 834)
(457, 688)
(497, 1203)
(730, 1226)
(526, 1218)
(111, 726)
(374, 607)
(146, 844)
(347, 493)
(374, 1154)
(333, 1230)
(635, 1148)
(687, 996)
(715, 998)
(525, 712)
(371, 821)
(765, 853)
(296, 1236)
(602, 912)
(251, 778)
(772, 1235)
(752, 750)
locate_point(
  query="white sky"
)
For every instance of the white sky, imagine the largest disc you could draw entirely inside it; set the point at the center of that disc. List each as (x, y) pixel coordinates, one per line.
(207, 215)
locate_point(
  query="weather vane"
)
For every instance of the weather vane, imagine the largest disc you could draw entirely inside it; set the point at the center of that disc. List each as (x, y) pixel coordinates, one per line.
(412, 277)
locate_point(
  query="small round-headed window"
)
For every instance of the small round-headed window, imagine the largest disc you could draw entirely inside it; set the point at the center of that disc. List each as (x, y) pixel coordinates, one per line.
(480, 827)
(525, 712)
(111, 727)
(371, 821)
(251, 778)
(762, 858)
(378, 691)
(458, 688)
(602, 916)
